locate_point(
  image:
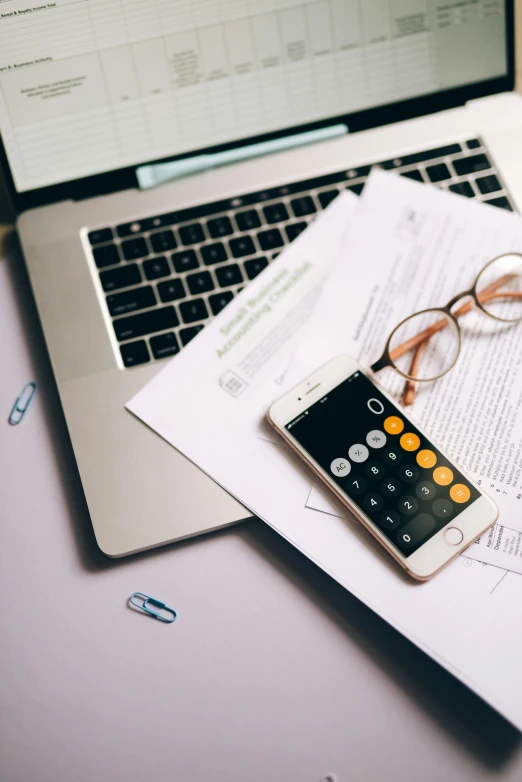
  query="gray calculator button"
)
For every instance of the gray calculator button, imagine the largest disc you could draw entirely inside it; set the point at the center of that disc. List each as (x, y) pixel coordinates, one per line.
(358, 453)
(340, 467)
(376, 438)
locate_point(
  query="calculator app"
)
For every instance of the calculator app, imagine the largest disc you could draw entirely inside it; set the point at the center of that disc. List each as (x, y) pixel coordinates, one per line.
(383, 463)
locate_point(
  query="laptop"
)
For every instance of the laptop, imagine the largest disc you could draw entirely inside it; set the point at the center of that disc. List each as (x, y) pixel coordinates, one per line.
(97, 97)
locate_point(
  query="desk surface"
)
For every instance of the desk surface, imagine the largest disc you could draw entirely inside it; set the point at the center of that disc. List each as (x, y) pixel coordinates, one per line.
(271, 672)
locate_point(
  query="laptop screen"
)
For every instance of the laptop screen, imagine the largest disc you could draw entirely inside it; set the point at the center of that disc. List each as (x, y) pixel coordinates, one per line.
(92, 86)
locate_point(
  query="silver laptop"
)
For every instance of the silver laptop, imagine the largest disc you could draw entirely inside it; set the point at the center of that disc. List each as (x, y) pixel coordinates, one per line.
(125, 277)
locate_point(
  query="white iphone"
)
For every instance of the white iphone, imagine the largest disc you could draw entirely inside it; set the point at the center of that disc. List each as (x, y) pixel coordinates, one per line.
(414, 500)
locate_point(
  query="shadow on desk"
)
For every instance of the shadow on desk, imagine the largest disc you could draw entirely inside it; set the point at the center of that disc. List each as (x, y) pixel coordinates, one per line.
(464, 716)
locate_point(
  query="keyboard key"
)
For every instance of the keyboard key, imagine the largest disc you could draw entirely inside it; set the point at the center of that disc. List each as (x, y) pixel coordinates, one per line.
(193, 310)
(275, 213)
(473, 143)
(270, 239)
(421, 157)
(122, 277)
(100, 235)
(294, 229)
(501, 202)
(213, 253)
(145, 323)
(229, 275)
(156, 267)
(162, 241)
(242, 246)
(171, 290)
(192, 234)
(185, 261)
(248, 220)
(469, 165)
(164, 345)
(462, 188)
(438, 173)
(134, 353)
(488, 184)
(357, 189)
(200, 283)
(132, 300)
(303, 206)
(134, 248)
(187, 334)
(129, 229)
(220, 226)
(220, 300)
(106, 255)
(413, 173)
(255, 266)
(327, 196)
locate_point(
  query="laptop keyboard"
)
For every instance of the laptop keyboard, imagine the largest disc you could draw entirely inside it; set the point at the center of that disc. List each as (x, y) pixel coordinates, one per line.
(164, 277)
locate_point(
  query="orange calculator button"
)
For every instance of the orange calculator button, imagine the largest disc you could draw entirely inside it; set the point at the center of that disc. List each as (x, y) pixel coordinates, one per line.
(443, 476)
(460, 493)
(393, 424)
(410, 442)
(426, 458)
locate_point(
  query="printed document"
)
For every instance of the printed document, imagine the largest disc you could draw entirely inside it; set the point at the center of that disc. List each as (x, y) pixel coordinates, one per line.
(406, 247)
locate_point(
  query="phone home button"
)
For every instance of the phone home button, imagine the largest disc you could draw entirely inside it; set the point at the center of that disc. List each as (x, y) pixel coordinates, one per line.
(453, 536)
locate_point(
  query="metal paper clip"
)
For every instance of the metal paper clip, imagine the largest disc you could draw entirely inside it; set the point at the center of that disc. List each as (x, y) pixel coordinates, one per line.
(21, 406)
(146, 604)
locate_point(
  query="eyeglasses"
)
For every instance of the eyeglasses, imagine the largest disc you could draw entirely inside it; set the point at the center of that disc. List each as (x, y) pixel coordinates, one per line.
(426, 345)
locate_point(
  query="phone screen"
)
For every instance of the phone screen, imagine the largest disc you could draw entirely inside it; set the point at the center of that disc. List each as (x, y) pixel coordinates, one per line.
(383, 463)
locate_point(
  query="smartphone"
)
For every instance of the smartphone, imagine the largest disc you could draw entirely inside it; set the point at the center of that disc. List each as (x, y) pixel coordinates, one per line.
(413, 499)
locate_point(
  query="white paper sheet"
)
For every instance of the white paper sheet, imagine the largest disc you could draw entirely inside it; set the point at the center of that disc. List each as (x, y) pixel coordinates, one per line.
(462, 617)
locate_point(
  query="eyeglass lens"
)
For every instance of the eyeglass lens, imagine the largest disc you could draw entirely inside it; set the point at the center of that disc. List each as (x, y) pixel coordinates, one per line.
(425, 346)
(499, 288)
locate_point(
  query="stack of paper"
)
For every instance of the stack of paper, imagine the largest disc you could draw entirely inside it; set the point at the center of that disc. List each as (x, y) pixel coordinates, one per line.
(401, 248)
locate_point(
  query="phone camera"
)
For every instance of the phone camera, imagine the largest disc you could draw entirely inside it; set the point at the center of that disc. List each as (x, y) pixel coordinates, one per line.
(298, 398)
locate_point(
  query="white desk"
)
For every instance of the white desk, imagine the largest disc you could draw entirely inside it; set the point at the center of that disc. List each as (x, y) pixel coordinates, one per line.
(271, 672)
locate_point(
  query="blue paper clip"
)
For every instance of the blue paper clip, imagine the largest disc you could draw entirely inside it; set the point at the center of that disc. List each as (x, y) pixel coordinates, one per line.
(21, 406)
(151, 601)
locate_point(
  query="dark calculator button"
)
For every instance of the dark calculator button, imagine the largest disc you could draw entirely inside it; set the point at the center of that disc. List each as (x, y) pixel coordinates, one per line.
(156, 267)
(255, 266)
(327, 196)
(392, 455)
(438, 173)
(374, 470)
(248, 220)
(414, 173)
(229, 275)
(164, 345)
(187, 334)
(294, 229)
(390, 520)
(442, 509)
(391, 487)
(270, 239)
(134, 248)
(192, 234)
(275, 213)
(462, 188)
(501, 202)
(163, 240)
(185, 261)
(415, 531)
(100, 235)
(134, 353)
(200, 283)
(193, 310)
(408, 505)
(213, 253)
(219, 301)
(357, 189)
(122, 277)
(145, 323)
(303, 206)
(170, 290)
(242, 246)
(408, 473)
(488, 184)
(373, 502)
(220, 226)
(131, 300)
(355, 485)
(469, 165)
(106, 255)
(425, 490)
